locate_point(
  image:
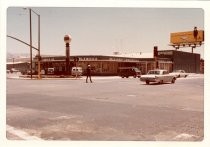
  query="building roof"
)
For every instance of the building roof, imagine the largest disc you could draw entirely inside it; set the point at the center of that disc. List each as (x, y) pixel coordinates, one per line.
(11, 63)
(134, 55)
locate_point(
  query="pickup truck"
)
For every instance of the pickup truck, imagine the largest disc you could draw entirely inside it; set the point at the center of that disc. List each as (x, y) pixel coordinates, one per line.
(158, 76)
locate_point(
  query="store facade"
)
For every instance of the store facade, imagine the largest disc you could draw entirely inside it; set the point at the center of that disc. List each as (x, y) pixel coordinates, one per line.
(102, 65)
(190, 62)
(109, 65)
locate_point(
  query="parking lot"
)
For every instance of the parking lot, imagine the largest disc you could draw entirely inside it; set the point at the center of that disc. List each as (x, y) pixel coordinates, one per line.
(110, 108)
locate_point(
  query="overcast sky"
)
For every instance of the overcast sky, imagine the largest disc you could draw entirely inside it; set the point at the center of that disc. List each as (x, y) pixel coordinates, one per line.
(101, 31)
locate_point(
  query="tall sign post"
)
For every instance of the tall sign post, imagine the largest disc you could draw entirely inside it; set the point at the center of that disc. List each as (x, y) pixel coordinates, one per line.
(193, 39)
(67, 40)
(155, 53)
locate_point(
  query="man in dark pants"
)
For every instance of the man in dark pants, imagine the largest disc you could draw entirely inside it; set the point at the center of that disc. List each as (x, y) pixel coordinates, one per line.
(88, 74)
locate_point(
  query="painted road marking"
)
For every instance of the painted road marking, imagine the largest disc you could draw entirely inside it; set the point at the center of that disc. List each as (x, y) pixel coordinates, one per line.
(21, 134)
(63, 117)
(184, 136)
(131, 95)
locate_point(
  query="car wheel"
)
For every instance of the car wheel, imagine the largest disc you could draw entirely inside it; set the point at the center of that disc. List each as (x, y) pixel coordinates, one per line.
(173, 80)
(161, 82)
(134, 76)
(185, 76)
(179, 76)
(147, 82)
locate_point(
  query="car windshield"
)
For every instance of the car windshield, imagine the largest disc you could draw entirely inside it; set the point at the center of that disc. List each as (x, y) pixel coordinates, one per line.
(176, 71)
(136, 70)
(153, 72)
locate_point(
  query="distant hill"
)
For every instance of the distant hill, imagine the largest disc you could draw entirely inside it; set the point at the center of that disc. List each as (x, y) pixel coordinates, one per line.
(18, 57)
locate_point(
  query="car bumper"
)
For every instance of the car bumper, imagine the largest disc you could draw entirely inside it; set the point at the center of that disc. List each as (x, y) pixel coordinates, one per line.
(149, 79)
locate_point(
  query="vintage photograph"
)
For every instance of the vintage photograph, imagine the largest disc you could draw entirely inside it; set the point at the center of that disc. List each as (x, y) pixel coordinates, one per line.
(105, 74)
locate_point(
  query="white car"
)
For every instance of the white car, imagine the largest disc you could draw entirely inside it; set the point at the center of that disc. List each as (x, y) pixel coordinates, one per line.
(179, 73)
(158, 76)
(76, 71)
(50, 71)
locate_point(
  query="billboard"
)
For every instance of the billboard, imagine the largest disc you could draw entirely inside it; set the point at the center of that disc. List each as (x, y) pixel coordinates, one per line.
(189, 37)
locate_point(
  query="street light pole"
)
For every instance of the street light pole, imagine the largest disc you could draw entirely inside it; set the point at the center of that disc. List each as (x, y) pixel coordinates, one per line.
(30, 42)
(39, 58)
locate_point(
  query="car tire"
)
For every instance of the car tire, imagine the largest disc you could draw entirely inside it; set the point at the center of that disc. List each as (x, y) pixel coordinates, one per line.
(173, 80)
(147, 82)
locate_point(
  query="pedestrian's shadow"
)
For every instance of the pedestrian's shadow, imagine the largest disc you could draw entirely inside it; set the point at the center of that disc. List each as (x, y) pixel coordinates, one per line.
(152, 84)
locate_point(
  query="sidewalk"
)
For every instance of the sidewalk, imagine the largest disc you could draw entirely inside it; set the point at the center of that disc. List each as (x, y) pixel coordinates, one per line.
(195, 75)
(35, 77)
(44, 77)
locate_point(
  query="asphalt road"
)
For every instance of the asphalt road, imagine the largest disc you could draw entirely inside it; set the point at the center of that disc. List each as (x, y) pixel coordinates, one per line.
(107, 109)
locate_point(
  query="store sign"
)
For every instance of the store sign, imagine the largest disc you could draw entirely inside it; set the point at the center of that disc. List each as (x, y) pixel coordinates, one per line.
(165, 53)
(187, 37)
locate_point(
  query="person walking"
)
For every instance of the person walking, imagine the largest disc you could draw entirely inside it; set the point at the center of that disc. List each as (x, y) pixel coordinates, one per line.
(88, 73)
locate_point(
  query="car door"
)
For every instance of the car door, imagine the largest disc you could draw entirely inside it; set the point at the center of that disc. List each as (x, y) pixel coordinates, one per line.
(166, 76)
(182, 73)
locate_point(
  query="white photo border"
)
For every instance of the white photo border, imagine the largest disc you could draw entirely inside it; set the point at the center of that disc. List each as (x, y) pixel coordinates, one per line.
(103, 3)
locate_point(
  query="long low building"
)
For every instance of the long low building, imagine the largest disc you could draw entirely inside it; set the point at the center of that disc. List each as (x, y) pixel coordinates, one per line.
(109, 65)
(103, 65)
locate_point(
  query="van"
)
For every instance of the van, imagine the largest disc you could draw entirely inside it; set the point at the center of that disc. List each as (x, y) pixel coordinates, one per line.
(76, 71)
(14, 70)
(50, 71)
(129, 71)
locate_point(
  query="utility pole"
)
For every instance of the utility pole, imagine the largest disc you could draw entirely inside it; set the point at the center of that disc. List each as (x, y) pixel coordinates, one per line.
(30, 42)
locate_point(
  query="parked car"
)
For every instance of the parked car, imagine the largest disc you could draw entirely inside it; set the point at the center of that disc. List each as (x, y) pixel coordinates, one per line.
(14, 70)
(179, 73)
(42, 72)
(50, 71)
(129, 71)
(159, 76)
(76, 71)
(28, 72)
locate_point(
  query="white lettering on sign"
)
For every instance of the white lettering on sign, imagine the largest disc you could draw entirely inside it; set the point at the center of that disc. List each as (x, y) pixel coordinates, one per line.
(165, 53)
